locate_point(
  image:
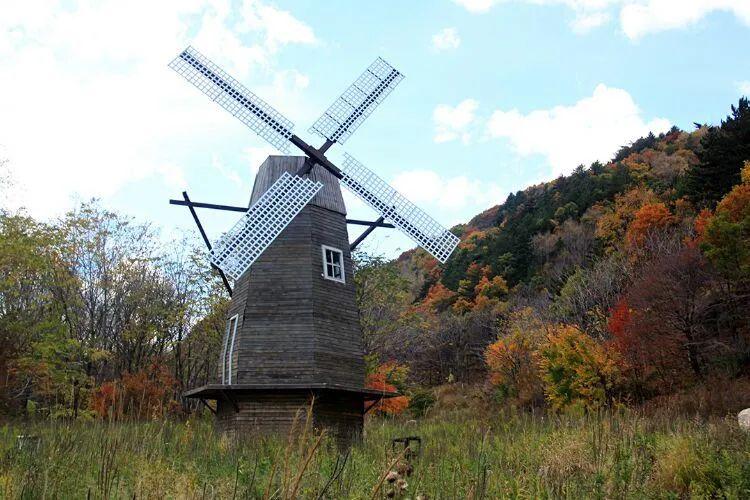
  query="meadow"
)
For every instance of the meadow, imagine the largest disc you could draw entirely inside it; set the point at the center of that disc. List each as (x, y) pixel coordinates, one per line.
(607, 454)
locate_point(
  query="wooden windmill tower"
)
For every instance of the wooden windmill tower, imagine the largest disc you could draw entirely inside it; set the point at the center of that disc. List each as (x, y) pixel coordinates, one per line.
(293, 329)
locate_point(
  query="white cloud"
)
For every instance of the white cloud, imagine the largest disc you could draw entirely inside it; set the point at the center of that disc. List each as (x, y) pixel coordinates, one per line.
(454, 193)
(280, 26)
(226, 172)
(585, 22)
(637, 17)
(476, 6)
(446, 39)
(592, 129)
(641, 18)
(453, 122)
(256, 155)
(88, 104)
(744, 87)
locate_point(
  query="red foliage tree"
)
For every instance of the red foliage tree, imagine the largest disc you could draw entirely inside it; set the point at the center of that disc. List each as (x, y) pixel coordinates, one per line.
(658, 328)
(144, 394)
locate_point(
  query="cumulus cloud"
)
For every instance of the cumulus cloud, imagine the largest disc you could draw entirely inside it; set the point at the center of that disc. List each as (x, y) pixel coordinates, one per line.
(744, 87)
(592, 129)
(640, 18)
(454, 193)
(446, 39)
(89, 105)
(454, 122)
(637, 17)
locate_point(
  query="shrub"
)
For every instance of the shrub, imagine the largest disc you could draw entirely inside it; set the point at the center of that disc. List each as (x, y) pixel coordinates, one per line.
(145, 394)
(576, 370)
(420, 402)
(512, 360)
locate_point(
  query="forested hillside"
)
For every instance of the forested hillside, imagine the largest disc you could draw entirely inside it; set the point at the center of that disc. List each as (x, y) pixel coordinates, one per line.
(621, 281)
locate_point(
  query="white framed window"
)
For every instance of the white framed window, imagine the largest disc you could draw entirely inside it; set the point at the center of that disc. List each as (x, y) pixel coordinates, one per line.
(226, 355)
(333, 264)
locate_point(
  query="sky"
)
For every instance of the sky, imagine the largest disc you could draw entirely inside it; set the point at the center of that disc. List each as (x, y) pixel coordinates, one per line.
(498, 95)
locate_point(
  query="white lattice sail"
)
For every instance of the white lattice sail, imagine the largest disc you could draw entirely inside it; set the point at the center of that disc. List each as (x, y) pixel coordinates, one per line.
(235, 252)
(231, 95)
(357, 102)
(394, 207)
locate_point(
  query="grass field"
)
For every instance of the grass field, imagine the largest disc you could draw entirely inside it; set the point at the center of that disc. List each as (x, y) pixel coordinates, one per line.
(517, 455)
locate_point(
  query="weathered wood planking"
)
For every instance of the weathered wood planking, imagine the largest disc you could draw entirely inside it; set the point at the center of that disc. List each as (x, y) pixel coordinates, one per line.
(266, 413)
(328, 197)
(294, 326)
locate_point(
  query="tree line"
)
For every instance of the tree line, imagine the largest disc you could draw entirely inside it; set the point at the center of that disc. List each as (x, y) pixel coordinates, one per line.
(620, 282)
(95, 297)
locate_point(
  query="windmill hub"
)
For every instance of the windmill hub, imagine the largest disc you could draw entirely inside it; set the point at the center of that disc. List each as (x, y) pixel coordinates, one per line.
(293, 330)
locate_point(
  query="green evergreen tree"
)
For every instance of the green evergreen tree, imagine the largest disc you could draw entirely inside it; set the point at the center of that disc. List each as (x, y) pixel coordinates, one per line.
(725, 148)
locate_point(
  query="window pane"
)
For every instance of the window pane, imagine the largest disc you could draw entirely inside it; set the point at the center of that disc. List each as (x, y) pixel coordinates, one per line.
(337, 272)
(329, 270)
(329, 257)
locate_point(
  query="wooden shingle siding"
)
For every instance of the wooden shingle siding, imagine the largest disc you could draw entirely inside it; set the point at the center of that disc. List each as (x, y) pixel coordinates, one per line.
(328, 197)
(295, 327)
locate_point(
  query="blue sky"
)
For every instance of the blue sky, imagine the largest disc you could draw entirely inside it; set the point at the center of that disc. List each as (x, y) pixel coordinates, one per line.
(498, 95)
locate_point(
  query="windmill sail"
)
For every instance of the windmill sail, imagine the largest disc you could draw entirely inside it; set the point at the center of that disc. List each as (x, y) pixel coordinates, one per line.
(348, 112)
(263, 222)
(231, 95)
(414, 222)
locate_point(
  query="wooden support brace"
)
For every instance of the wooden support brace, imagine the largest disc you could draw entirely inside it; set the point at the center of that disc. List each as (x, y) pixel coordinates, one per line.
(207, 405)
(366, 233)
(190, 206)
(231, 400)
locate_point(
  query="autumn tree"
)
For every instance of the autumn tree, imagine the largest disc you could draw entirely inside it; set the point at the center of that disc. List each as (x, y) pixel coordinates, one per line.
(726, 236)
(38, 361)
(389, 377)
(663, 335)
(650, 220)
(513, 359)
(576, 370)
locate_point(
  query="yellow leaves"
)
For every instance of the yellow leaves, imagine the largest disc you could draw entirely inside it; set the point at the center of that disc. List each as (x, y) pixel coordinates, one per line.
(745, 172)
(564, 363)
(577, 370)
(736, 204)
(611, 225)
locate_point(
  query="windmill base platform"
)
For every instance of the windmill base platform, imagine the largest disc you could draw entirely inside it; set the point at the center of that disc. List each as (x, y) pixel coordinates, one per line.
(246, 410)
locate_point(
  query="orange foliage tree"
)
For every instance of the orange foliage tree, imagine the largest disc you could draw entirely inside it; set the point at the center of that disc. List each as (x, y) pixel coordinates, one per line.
(386, 378)
(648, 219)
(438, 299)
(512, 361)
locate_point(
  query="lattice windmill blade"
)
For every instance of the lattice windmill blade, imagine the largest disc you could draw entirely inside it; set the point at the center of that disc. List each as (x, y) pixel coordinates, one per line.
(231, 95)
(235, 252)
(394, 207)
(348, 112)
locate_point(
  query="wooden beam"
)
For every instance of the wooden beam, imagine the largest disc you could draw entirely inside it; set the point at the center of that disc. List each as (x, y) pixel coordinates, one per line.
(205, 239)
(368, 223)
(366, 233)
(207, 405)
(188, 203)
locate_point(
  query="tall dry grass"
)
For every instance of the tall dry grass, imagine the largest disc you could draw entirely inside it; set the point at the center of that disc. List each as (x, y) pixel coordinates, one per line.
(613, 454)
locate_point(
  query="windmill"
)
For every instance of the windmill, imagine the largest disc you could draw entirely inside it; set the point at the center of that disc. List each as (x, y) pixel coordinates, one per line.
(293, 330)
